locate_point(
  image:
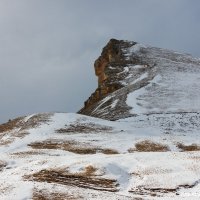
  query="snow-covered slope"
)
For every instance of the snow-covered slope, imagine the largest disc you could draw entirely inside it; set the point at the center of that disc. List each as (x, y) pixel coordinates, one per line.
(152, 80)
(71, 156)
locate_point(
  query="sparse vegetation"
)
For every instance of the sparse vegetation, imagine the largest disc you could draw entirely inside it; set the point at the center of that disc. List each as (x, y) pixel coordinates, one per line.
(89, 171)
(34, 121)
(12, 136)
(192, 147)
(79, 180)
(28, 153)
(48, 195)
(84, 128)
(141, 190)
(148, 146)
(110, 151)
(17, 128)
(72, 146)
(11, 124)
(37, 120)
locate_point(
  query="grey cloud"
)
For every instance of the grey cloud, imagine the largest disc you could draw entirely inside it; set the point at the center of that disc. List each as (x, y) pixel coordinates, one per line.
(48, 47)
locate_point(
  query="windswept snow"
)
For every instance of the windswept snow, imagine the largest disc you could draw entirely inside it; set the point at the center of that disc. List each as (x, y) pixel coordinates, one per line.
(143, 76)
(137, 174)
(175, 86)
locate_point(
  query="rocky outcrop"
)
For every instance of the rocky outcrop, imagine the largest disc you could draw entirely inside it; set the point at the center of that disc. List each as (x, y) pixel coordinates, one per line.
(108, 77)
(139, 79)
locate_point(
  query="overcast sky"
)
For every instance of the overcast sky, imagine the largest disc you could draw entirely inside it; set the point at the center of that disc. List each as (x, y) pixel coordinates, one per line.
(48, 47)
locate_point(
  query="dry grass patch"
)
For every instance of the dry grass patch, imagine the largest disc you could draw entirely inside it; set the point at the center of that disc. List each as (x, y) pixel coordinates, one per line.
(6, 141)
(33, 122)
(28, 153)
(84, 128)
(71, 146)
(8, 137)
(149, 146)
(159, 192)
(192, 147)
(11, 124)
(37, 120)
(17, 128)
(49, 195)
(110, 151)
(89, 171)
(79, 180)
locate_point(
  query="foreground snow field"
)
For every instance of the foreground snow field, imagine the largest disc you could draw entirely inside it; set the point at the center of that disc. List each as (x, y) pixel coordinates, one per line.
(71, 156)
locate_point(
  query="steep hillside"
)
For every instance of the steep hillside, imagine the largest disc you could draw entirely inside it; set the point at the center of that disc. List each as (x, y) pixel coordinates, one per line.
(138, 79)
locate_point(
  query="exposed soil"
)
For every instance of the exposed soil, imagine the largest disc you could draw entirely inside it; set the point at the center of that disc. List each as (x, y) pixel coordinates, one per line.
(66, 178)
(72, 146)
(149, 146)
(192, 147)
(84, 128)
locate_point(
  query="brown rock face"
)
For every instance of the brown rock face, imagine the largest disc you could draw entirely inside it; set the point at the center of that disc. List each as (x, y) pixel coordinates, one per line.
(111, 54)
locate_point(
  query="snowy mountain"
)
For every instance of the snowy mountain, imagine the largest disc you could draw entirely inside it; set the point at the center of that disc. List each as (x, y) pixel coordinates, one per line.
(150, 80)
(140, 141)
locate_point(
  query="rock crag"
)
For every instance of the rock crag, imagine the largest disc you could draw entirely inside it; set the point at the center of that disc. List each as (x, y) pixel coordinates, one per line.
(108, 77)
(135, 78)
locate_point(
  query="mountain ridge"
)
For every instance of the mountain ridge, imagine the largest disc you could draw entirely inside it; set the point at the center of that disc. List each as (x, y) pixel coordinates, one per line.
(134, 66)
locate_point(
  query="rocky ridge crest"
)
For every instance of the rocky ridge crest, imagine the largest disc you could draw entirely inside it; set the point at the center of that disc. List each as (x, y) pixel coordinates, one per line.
(125, 67)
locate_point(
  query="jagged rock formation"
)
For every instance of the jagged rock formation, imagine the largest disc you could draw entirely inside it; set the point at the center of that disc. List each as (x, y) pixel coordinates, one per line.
(135, 78)
(108, 80)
